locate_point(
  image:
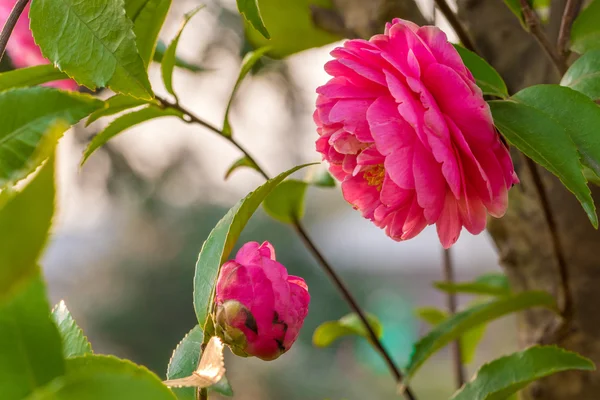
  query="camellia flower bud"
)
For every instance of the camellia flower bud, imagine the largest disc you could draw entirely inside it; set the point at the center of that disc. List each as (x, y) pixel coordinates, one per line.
(406, 129)
(21, 47)
(259, 307)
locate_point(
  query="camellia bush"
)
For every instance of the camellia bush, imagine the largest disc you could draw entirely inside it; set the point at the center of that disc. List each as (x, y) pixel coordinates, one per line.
(416, 130)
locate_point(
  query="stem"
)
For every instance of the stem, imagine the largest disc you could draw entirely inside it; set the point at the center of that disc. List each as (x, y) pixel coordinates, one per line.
(458, 27)
(311, 247)
(202, 394)
(459, 370)
(532, 20)
(572, 8)
(567, 306)
(10, 24)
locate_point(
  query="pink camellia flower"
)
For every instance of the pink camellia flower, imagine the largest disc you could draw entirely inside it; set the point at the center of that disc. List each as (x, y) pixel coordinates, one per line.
(260, 308)
(21, 47)
(406, 129)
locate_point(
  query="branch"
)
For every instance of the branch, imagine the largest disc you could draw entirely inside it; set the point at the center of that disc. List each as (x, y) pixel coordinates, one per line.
(458, 27)
(572, 8)
(534, 25)
(298, 228)
(567, 306)
(9, 26)
(459, 369)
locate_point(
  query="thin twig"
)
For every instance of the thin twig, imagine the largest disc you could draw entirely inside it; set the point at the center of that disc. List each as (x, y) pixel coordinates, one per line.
(567, 306)
(459, 370)
(572, 8)
(9, 26)
(192, 118)
(458, 27)
(534, 25)
(353, 305)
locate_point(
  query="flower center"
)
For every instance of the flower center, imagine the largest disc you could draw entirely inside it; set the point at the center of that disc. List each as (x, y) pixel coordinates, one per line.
(374, 176)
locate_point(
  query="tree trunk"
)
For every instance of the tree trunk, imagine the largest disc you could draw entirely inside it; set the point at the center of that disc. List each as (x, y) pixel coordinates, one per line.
(522, 237)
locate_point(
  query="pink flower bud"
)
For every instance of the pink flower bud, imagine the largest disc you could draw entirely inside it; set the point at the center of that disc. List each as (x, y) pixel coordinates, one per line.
(21, 47)
(406, 129)
(259, 307)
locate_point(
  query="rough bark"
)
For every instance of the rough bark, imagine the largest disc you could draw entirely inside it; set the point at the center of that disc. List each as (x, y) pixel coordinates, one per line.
(522, 237)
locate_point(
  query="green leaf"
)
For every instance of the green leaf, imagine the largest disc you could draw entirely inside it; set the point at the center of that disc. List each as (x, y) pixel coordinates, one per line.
(95, 377)
(504, 376)
(585, 33)
(221, 240)
(490, 284)
(459, 323)
(286, 202)
(115, 105)
(28, 115)
(25, 220)
(468, 341)
(577, 113)
(30, 346)
(242, 162)
(159, 53)
(125, 122)
(431, 315)
(93, 42)
(148, 17)
(250, 10)
(322, 178)
(547, 143)
(330, 331)
(290, 19)
(486, 77)
(74, 341)
(584, 75)
(247, 63)
(515, 7)
(184, 362)
(170, 56)
(31, 76)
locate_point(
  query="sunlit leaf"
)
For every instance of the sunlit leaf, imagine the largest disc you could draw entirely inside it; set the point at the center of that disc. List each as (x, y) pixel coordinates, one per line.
(286, 202)
(247, 63)
(93, 42)
(546, 142)
(115, 105)
(220, 242)
(30, 345)
(250, 10)
(125, 122)
(148, 17)
(29, 123)
(95, 377)
(486, 77)
(505, 376)
(74, 341)
(25, 219)
(584, 75)
(170, 56)
(31, 76)
(286, 20)
(459, 323)
(330, 331)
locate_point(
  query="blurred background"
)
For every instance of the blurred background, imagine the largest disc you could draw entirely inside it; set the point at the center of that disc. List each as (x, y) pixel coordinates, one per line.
(132, 221)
